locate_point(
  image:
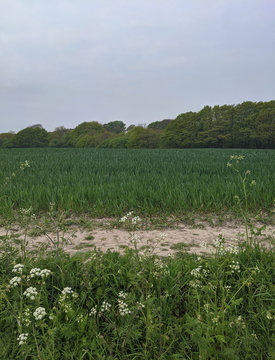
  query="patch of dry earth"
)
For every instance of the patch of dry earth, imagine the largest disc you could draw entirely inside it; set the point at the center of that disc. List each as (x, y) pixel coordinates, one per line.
(183, 237)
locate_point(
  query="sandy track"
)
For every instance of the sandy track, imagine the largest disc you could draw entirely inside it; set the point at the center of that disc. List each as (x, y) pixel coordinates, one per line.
(184, 237)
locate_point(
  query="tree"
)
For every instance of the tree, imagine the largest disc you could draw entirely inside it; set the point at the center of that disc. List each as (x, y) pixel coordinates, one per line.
(140, 137)
(85, 128)
(159, 125)
(31, 137)
(116, 127)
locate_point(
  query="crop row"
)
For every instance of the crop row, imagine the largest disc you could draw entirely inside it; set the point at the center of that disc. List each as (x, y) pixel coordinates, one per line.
(107, 182)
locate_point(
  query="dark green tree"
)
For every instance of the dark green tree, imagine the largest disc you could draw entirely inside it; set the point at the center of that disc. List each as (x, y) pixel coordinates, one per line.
(116, 127)
(31, 137)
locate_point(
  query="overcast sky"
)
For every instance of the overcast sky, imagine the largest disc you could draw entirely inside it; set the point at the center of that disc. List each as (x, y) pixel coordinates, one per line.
(63, 62)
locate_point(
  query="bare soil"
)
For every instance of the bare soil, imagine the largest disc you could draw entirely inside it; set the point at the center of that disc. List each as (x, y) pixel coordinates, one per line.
(185, 237)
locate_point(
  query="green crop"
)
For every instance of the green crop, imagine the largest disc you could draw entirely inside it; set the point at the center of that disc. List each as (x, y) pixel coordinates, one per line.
(109, 182)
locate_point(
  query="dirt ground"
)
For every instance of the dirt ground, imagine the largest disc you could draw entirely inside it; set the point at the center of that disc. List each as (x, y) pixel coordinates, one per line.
(161, 242)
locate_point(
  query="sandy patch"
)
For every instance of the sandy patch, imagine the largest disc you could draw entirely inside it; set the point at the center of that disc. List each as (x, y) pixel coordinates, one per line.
(161, 242)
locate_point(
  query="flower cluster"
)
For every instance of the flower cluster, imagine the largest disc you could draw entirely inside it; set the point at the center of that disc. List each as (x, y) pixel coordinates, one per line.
(233, 249)
(160, 267)
(105, 306)
(122, 306)
(64, 300)
(15, 281)
(235, 266)
(198, 274)
(93, 311)
(31, 293)
(219, 245)
(22, 338)
(37, 272)
(24, 165)
(236, 158)
(26, 317)
(18, 268)
(39, 313)
(67, 290)
(134, 220)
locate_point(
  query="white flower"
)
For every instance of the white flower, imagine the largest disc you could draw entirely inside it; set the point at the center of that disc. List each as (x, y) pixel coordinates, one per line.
(26, 317)
(269, 315)
(15, 281)
(24, 165)
(196, 272)
(39, 313)
(45, 273)
(122, 295)
(235, 266)
(35, 272)
(31, 293)
(123, 308)
(135, 220)
(22, 338)
(67, 290)
(18, 268)
(93, 311)
(105, 306)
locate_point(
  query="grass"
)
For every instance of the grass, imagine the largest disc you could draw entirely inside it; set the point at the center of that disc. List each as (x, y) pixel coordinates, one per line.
(129, 307)
(104, 182)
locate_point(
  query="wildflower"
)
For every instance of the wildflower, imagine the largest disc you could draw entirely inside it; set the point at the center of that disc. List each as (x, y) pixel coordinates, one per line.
(140, 305)
(237, 157)
(18, 268)
(31, 293)
(215, 320)
(235, 266)
(67, 290)
(269, 315)
(123, 308)
(45, 273)
(93, 311)
(122, 295)
(135, 220)
(134, 238)
(123, 219)
(196, 272)
(105, 306)
(39, 313)
(24, 165)
(233, 249)
(35, 272)
(239, 321)
(67, 308)
(22, 338)
(253, 183)
(26, 212)
(26, 317)
(80, 318)
(15, 281)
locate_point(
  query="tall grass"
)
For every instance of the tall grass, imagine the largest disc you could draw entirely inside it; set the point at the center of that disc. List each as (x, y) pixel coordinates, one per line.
(108, 182)
(111, 306)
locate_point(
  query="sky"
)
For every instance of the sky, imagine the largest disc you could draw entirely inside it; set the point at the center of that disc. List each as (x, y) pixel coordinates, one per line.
(63, 62)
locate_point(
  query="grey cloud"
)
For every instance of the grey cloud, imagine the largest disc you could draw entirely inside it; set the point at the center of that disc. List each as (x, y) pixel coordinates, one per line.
(63, 62)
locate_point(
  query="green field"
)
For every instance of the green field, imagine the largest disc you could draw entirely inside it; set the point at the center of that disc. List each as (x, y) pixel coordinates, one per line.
(109, 182)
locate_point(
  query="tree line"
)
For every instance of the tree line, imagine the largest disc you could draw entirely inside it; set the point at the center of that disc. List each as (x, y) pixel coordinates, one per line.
(246, 125)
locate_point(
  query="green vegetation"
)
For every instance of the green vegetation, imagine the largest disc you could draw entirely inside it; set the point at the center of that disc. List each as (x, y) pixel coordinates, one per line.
(246, 125)
(110, 182)
(134, 305)
(111, 306)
